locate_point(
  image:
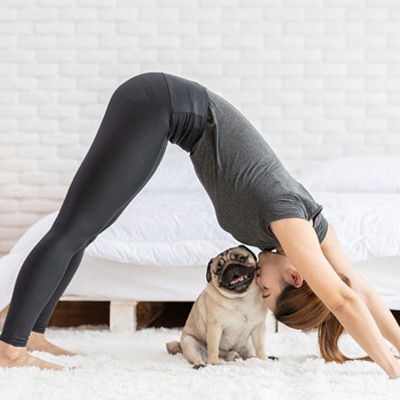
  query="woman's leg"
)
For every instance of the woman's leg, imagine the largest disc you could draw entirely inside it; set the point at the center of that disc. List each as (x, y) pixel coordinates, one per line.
(37, 340)
(44, 318)
(127, 149)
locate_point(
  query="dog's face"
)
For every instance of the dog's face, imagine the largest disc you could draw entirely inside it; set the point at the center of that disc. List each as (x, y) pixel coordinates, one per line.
(232, 271)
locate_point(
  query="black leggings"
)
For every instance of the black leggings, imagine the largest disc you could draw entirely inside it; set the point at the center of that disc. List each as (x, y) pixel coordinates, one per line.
(125, 153)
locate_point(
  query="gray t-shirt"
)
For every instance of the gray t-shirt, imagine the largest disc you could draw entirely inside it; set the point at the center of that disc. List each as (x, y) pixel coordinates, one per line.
(247, 183)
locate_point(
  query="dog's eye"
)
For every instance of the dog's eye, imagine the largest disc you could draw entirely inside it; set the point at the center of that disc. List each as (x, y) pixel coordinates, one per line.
(242, 259)
(218, 270)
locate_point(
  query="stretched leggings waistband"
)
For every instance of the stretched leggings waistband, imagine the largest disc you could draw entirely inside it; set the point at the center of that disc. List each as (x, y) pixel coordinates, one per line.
(189, 111)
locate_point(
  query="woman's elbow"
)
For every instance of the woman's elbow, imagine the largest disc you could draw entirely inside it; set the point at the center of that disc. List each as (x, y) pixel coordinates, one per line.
(344, 302)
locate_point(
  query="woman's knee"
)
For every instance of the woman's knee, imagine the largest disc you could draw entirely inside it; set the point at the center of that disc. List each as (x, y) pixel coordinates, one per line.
(69, 239)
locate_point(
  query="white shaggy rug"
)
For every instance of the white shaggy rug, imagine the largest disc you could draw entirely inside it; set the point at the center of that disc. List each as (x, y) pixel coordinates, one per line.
(137, 366)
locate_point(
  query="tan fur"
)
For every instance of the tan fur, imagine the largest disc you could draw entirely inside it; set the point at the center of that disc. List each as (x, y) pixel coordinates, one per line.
(223, 323)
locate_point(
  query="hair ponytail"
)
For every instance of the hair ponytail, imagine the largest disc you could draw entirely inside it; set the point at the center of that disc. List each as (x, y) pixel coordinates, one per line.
(329, 332)
(300, 308)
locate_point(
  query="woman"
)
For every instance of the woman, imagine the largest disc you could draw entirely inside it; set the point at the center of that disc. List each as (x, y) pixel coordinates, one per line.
(255, 199)
(295, 304)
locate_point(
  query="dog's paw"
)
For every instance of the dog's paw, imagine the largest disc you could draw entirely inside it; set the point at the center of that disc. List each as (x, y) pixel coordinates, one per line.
(198, 366)
(248, 356)
(174, 347)
(273, 358)
(232, 356)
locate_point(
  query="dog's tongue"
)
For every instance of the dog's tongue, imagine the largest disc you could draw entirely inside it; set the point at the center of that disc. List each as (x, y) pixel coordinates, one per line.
(237, 280)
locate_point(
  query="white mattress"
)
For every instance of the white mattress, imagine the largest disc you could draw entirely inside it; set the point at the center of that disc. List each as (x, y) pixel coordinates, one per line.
(160, 246)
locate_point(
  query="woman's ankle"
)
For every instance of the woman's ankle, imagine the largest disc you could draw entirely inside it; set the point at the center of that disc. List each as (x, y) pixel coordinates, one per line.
(12, 356)
(9, 353)
(38, 342)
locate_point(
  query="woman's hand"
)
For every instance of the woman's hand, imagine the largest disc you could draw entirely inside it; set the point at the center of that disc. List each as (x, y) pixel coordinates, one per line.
(380, 312)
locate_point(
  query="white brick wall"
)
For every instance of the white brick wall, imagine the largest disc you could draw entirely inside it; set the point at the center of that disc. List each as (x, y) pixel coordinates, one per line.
(320, 78)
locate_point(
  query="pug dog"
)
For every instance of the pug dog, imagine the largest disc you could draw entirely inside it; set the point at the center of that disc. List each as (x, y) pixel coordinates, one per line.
(228, 318)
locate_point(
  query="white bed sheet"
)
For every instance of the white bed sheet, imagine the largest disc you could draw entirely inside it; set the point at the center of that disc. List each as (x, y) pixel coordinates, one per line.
(368, 227)
(367, 224)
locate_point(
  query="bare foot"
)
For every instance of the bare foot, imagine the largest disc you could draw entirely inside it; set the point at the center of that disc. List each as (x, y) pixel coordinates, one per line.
(38, 342)
(11, 356)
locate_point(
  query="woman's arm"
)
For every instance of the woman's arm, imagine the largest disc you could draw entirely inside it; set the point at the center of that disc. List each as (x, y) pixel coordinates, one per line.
(300, 243)
(380, 312)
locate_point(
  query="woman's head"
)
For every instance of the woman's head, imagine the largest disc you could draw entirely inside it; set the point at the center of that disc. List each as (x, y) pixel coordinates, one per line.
(294, 304)
(274, 273)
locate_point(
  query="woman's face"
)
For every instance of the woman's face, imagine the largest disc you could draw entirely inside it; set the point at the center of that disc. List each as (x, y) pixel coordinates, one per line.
(274, 273)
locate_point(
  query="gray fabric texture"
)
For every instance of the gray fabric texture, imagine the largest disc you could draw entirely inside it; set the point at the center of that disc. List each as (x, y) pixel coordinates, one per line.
(247, 183)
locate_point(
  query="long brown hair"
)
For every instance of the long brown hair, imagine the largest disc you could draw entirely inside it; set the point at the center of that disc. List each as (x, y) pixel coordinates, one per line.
(300, 308)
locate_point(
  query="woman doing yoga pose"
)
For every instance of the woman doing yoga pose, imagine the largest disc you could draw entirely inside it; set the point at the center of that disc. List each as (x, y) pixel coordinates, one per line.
(306, 279)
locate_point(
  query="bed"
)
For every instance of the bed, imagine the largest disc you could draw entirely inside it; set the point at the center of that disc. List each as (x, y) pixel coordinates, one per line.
(159, 247)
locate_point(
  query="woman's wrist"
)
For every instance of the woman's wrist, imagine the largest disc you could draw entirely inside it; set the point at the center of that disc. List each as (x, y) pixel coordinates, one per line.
(394, 373)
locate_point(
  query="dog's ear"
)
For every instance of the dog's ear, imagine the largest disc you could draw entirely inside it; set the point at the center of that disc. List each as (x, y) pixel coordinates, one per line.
(208, 273)
(246, 248)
